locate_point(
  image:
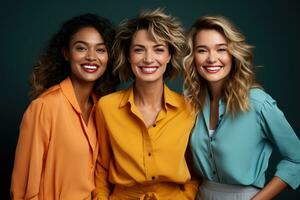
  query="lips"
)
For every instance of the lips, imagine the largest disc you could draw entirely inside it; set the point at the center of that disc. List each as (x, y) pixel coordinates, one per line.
(148, 69)
(212, 69)
(89, 67)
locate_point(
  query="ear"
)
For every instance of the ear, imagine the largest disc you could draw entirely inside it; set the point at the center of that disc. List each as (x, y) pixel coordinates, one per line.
(169, 59)
(65, 53)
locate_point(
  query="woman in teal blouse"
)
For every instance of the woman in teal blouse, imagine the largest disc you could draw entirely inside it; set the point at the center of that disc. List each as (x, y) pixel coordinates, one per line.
(238, 123)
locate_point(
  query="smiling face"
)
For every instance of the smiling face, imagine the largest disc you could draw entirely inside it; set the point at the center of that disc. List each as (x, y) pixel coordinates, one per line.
(87, 55)
(212, 59)
(148, 58)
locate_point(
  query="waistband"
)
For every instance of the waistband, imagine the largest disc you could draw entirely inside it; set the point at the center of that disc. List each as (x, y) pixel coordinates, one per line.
(155, 191)
(220, 187)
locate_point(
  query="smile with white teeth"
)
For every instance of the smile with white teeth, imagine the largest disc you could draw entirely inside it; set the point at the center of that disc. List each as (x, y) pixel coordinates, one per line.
(148, 70)
(212, 69)
(89, 66)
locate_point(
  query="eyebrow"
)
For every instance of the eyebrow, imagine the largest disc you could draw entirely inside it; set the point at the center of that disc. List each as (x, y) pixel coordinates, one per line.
(204, 46)
(86, 43)
(157, 45)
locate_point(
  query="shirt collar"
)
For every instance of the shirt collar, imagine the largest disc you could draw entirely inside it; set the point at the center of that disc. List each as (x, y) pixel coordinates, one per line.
(206, 110)
(169, 97)
(68, 91)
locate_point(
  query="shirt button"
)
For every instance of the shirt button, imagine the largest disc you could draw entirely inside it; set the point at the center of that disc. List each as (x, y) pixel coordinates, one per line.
(214, 172)
(210, 155)
(153, 177)
(149, 154)
(154, 125)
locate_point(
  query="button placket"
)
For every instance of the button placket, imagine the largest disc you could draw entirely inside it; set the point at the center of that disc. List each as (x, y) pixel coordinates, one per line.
(212, 160)
(148, 155)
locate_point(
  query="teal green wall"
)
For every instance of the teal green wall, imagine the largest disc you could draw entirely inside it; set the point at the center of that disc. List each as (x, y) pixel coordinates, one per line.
(271, 26)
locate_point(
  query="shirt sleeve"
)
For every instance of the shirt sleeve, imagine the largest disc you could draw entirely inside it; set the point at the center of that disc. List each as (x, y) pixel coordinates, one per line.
(281, 134)
(103, 187)
(192, 185)
(30, 152)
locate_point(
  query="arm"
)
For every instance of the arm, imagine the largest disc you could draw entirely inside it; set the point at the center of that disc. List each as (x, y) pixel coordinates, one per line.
(103, 187)
(274, 187)
(30, 152)
(191, 187)
(278, 131)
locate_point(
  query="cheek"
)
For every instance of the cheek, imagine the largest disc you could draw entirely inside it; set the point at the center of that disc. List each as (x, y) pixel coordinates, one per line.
(104, 58)
(199, 70)
(226, 59)
(75, 57)
(133, 58)
(163, 60)
(199, 60)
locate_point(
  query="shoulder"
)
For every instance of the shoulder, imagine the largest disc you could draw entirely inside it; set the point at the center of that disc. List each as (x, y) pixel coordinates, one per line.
(49, 97)
(177, 96)
(258, 95)
(112, 99)
(51, 94)
(259, 98)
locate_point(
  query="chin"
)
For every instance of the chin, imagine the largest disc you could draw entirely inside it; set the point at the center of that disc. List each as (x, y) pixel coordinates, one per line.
(148, 80)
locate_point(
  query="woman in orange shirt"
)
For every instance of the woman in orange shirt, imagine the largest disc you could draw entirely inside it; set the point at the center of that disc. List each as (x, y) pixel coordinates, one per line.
(144, 130)
(57, 146)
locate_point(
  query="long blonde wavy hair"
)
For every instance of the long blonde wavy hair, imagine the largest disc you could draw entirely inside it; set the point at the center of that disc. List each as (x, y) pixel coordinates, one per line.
(241, 78)
(161, 27)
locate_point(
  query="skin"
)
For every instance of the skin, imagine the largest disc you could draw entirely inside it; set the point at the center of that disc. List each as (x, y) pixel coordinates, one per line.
(148, 59)
(86, 48)
(211, 49)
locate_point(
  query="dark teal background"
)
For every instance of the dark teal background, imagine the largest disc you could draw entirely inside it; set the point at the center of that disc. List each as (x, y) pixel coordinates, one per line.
(271, 26)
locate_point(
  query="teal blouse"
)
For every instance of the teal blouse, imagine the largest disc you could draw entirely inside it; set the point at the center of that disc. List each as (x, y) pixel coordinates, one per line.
(239, 150)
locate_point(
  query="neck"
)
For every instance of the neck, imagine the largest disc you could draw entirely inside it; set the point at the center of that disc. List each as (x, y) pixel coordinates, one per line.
(148, 94)
(216, 91)
(83, 92)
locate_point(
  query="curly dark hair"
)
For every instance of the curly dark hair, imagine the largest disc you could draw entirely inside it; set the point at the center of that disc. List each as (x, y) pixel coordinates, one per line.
(52, 67)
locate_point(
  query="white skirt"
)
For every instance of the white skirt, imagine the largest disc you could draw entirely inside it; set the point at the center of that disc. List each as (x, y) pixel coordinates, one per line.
(216, 191)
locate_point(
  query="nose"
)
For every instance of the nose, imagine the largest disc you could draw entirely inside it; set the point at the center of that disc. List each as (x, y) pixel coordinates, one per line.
(90, 56)
(212, 57)
(148, 58)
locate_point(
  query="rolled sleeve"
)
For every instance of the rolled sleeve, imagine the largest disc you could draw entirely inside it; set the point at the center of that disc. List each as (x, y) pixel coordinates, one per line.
(281, 135)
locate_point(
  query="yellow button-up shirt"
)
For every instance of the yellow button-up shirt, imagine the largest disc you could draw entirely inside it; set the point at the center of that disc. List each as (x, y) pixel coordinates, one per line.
(130, 152)
(56, 151)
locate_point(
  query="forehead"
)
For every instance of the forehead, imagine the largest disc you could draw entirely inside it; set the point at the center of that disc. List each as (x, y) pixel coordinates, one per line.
(210, 36)
(145, 36)
(87, 34)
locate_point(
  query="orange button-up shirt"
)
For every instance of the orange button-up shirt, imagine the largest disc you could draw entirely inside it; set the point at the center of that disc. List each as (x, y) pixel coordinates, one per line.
(56, 151)
(131, 153)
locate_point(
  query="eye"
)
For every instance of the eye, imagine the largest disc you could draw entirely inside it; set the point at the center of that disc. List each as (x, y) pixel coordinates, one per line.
(138, 50)
(101, 50)
(80, 48)
(222, 50)
(201, 50)
(159, 50)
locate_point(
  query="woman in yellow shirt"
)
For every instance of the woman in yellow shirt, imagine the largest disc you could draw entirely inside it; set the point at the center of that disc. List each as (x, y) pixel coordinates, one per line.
(144, 130)
(58, 147)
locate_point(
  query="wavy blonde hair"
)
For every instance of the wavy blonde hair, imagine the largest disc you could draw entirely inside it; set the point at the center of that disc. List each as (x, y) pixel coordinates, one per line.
(161, 27)
(241, 78)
